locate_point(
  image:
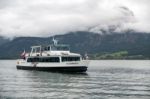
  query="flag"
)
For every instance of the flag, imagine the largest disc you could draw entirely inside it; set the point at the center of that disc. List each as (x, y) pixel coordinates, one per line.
(23, 54)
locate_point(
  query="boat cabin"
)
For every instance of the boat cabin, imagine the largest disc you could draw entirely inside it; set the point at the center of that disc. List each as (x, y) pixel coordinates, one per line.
(52, 53)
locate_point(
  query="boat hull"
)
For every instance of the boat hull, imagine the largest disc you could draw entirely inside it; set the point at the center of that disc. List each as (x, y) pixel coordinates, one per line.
(55, 69)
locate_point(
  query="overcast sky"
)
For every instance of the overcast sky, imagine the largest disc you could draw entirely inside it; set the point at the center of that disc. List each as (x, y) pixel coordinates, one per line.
(50, 17)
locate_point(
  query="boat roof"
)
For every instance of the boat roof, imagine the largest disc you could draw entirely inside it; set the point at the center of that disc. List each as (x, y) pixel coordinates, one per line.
(58, 45)
(54, 54)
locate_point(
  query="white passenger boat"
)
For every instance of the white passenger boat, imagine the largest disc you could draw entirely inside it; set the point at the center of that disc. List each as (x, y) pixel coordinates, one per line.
(54, 57)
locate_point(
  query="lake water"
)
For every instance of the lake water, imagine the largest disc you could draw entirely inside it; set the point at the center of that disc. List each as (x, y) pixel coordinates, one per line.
(105, 79)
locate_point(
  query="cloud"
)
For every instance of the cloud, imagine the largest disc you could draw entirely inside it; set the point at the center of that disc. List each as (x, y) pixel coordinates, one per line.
(50, 17)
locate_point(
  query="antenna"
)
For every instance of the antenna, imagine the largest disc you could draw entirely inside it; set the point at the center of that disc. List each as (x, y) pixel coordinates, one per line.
(55, 41)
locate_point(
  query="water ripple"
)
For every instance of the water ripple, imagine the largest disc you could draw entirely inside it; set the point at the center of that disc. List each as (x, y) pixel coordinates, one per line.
(101, 83)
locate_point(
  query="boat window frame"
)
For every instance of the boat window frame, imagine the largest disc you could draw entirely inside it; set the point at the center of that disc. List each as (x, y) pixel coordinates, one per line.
(72, 58)
(44, 59)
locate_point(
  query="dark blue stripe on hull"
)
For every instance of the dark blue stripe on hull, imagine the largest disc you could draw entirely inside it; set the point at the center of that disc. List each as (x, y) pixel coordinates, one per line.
(55, 69)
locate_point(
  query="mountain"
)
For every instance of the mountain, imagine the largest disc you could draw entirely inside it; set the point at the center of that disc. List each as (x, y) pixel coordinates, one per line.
(3, 40)
(82, 42)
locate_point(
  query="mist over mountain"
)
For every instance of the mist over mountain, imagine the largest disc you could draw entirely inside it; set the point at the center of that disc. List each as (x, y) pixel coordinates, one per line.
(84, 42)
(3, 40)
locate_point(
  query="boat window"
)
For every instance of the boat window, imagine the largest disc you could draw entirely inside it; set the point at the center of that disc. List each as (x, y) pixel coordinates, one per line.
(44, 59)
(38, 49)
(64, 59)
(47, 48)
(50, 59)
(33, 59)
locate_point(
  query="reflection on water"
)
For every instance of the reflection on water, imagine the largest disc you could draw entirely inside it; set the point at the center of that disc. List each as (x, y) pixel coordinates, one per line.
(103, 80)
